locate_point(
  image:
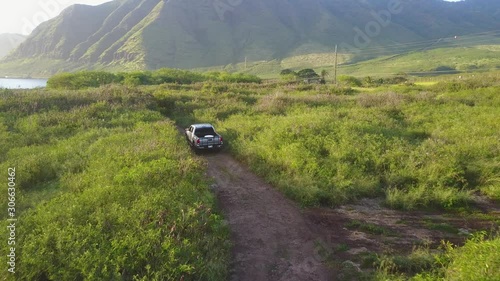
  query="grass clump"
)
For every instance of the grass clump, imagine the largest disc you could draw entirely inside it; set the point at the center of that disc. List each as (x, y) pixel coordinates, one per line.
(478, 259)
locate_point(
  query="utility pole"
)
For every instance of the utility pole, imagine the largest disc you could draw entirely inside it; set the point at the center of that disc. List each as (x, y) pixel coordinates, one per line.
(335, 68)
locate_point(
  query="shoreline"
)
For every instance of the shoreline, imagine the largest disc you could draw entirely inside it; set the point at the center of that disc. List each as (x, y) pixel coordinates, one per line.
(20, 77)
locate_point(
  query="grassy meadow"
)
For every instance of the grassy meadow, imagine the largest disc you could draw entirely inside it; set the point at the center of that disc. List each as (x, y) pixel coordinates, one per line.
(416, 146)
(107, 188)
(457, 58)
(427, 146)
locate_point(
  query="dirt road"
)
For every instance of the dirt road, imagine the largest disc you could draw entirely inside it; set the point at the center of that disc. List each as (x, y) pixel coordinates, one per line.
(272, 239)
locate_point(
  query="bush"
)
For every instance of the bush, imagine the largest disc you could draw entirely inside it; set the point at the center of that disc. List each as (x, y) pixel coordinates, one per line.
(307, 74)
(89, 79)
(81, 80)
(349, 81)
(285, 72)
(232, 77)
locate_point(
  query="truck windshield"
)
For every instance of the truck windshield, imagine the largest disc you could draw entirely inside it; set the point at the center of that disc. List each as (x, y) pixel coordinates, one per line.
(201, 132)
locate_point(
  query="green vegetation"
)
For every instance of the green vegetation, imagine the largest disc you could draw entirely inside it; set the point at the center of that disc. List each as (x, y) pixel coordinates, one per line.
(429, 62)
(139, 35)
(441, 226)
(306, 74)
(477, 260)
(417, 146)
(106, 190)
(86, 79)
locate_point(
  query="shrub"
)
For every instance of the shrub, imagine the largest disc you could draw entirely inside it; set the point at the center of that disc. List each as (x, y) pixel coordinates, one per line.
(81, 80)
(307, 74)
(88, 79)
(285, 72)
(349, 81)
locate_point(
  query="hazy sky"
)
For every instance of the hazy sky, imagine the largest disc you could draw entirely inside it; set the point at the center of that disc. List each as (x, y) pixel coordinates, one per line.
(21, 16)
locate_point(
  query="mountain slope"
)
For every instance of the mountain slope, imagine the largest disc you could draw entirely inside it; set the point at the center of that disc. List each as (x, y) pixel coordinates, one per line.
(9, 42)
(149, 34)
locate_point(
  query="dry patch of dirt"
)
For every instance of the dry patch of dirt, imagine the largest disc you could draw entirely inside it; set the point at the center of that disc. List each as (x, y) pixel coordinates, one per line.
(354, 232)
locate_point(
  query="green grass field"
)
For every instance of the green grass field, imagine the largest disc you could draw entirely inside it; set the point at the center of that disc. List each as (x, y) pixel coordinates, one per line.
(420, 147)
(429, 62)
(428, 146)
(107, 188)
(417, 146)
(432, 62)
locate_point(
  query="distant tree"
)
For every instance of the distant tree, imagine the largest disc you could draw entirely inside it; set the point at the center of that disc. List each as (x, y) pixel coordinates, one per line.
(287, 72)
(307, 74)
(324, 73)
(288, 75)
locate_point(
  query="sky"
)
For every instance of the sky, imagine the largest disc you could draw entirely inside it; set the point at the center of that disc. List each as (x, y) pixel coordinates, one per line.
(22, 16)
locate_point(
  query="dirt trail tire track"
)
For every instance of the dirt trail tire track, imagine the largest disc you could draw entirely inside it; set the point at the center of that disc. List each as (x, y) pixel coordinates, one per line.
(272, 239)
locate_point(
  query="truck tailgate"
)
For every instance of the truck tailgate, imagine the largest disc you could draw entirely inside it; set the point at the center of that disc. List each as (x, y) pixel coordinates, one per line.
(209, 140)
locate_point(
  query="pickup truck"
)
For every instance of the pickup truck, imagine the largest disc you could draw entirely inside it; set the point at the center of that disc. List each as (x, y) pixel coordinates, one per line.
(203, 137)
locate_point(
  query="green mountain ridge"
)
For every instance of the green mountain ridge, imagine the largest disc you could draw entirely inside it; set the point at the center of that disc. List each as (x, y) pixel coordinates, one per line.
(150, 34)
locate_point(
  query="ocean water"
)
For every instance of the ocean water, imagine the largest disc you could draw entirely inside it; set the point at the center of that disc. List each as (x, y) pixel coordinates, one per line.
(14, 83)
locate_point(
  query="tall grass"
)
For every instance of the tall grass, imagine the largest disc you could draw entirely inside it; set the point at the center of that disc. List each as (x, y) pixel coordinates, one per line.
(477, 260)
(419, 148)
(106, 190)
